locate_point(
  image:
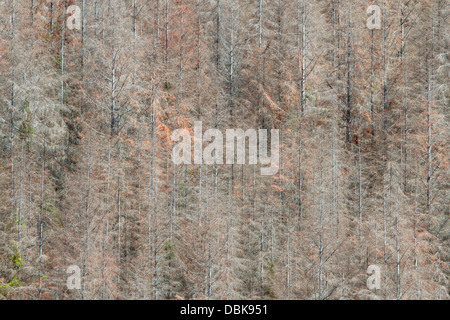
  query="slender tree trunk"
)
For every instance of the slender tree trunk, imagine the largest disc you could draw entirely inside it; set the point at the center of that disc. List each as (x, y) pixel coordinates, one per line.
(348, 116)
(87, 223)
(41, 219)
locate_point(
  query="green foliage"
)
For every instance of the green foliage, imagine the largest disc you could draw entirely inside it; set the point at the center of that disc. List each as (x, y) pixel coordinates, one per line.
(168, 86)
(21, 222)
(26, 130)
(170, 250)
(26, 106)
(16, 259)
(58, 61)
(182, 187)
(271, 267)
(49, 206)
(14, 283)
(268, 292)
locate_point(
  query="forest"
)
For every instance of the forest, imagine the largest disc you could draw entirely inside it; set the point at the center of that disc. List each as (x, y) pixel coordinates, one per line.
(93, 207)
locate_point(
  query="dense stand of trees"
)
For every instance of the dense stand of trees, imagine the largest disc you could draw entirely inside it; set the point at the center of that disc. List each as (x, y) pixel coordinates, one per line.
(86, 177)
